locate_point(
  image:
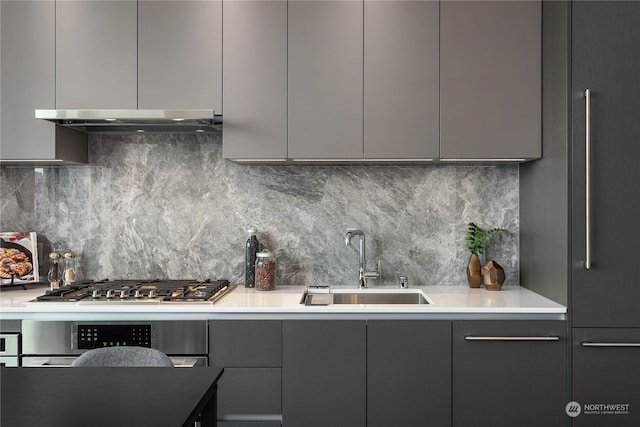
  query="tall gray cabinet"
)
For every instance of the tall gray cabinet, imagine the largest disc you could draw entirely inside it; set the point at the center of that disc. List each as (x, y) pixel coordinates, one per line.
(593, 139)
(490, 81)
(325, 79)
(255, 79)
(605, 204)
(401, 79)
(27, 82)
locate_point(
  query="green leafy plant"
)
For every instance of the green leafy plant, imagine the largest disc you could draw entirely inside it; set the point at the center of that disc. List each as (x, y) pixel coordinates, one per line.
(478, 237)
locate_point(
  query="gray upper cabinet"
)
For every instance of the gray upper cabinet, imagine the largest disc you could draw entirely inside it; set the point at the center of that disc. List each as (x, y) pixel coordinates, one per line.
(139, 54)
(27, 80)
(490, 80)
(179, 54)
(255, 79)
(28, 83)
(325, 69)
(96, 54)
(401, 79)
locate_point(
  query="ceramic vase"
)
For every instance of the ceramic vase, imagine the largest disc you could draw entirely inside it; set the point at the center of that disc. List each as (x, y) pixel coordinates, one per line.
(474, 271)
(492, 276)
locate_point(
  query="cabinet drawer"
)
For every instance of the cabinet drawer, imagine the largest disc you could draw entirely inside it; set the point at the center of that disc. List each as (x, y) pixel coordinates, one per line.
(250, 391)
(509, 373)
(245, 343)
(605, 371)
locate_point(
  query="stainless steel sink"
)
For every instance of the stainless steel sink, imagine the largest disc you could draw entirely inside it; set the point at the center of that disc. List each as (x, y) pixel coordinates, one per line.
(366, 296)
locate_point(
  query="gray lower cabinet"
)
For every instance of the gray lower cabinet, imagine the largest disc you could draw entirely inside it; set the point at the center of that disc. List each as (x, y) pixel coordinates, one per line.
(325, 79)
(180, 54)
(96, 54)
(605, 372)
(27, 83)
(251, 353)
(508, 373)
(401, 79)
(255, 80)
(324, 373)
(408, 373)
(490, 79)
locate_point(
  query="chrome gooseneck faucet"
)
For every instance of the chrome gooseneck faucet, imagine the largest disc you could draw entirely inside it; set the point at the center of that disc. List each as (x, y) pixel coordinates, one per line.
(363, 274)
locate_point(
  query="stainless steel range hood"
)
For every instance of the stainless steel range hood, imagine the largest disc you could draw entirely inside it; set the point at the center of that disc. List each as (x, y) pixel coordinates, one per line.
(135, 121)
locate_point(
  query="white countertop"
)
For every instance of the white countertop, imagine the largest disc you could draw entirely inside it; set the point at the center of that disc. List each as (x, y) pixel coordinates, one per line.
(446, 302)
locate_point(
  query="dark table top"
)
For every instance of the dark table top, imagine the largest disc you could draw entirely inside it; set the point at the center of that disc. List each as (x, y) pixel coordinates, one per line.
(70, 397)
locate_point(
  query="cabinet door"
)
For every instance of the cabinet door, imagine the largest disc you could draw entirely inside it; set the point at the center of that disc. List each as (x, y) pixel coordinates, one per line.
(255, 80)
(28, 79)
(401, 79)
(490, 77)
(325, 75)
(509, 373)
(606, 33)
(408, 373)
(605, 371)
(251, 353)
(324, 373)
(96, 54)
(180, 54)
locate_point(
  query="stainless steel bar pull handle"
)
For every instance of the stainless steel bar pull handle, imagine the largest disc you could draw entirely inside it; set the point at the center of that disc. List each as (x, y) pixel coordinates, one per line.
(610, 344)
(477, 338)
(587, 182)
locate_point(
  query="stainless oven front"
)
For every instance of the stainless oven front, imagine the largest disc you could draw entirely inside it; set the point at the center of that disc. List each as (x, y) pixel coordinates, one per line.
(59, 343)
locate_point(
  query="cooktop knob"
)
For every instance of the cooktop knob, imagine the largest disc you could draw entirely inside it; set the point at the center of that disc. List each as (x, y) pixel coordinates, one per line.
(138, 294)
(152, 293)
(95, 293)
(124, 294)
(110, 293)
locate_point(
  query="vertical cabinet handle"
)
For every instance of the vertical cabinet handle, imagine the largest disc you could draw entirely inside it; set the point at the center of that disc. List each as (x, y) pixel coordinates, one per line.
(587, 182)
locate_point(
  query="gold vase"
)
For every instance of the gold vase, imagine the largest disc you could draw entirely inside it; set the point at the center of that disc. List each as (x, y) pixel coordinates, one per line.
(492, 276)
(474, 271)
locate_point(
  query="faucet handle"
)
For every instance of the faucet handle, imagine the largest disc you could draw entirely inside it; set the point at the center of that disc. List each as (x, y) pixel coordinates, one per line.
(375, 274)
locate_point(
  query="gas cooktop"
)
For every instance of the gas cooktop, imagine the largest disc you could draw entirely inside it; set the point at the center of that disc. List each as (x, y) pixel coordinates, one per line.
(139, 292)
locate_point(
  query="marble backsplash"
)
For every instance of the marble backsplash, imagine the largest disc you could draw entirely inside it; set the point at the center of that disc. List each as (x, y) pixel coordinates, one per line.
(169, 206)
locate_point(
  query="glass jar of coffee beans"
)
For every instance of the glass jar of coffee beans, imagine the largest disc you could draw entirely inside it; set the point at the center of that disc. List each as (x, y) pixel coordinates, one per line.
(265, 271)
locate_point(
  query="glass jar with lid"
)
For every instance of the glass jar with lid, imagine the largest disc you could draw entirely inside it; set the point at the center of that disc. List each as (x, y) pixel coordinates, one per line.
(69, 274)
(265, 271)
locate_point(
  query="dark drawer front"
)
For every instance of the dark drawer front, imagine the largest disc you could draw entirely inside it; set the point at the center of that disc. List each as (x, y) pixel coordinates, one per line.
(250, 391)
(501, 367)
(605, 372)
(245, 343)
